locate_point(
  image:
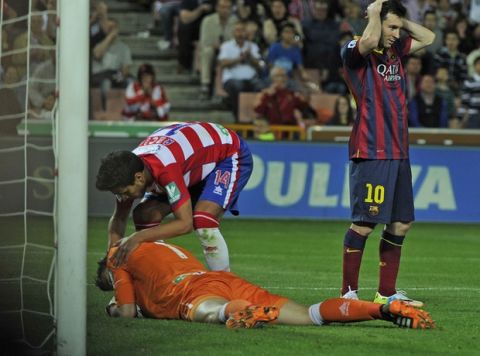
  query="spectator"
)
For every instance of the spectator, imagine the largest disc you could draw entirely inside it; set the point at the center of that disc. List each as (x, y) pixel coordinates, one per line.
(42, 88)
(273, 25)
(111, 62)
(10, 103)
(191, 16)
(475, 53)
(164, 13)
(145, 99)
(413, 69)
(240, 61)
(464, 35)
(215, 29)
(49, 9)
(446, 15)
(37, 55)
(342, 113)
(469, 111)
(427, 109)
(287, 54)
(301, 9)
(262, 130)
(353, 21)
(279, 105)
(247, 12)
(100, 23)
(321, 40)
(443, 89)
(449, 56)
(430, 22)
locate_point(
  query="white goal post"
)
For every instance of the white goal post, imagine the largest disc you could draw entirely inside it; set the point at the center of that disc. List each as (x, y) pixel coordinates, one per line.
(72, 136)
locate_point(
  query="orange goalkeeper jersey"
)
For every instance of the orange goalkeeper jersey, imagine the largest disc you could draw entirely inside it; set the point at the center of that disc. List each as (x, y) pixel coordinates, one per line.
(168, 282)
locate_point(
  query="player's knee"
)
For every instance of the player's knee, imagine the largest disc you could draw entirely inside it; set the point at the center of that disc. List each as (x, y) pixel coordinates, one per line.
(206, 226)
(208, 311)
(399, 228)
(363, 228)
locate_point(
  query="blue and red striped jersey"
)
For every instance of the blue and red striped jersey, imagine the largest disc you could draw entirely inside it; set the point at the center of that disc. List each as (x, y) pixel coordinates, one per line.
(378, 84)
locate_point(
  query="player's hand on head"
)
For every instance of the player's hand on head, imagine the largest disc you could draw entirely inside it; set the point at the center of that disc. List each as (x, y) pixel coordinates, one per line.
(125, 247)
(374, 8)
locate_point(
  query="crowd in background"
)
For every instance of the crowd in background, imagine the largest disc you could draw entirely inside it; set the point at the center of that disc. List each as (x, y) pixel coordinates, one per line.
(284, 50)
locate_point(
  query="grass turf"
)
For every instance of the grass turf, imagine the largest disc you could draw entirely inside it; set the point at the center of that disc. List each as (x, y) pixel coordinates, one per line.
(302, 260)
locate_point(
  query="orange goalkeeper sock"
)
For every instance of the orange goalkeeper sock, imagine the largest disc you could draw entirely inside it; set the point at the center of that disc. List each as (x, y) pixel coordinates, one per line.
(348, 310)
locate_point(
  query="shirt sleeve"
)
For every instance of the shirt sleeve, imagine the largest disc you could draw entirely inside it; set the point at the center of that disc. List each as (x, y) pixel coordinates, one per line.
(351, 56)
(123, 284)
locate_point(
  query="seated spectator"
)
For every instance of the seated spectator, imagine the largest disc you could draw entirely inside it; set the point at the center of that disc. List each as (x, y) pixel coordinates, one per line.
(111, 63)
(191, 15)
(10, 103)
(342, 113)
(215, 29)
(462, 27)
(49, 9)
(145, 99)
(279, 105)
(469, 112)
(240, 62)
(332, 74)
(321, 40)
(301, 9)
(42, 88)
(427, 109)
(37, 55)
(442, 88)
(262, 130)
(100, 23)
(449, 56)
(247, 12)
(476, 52)
(354, 21)
(413, 69)
(287, 54)
(164, 13)
(430, 22)
(446, 15)
(279, 16)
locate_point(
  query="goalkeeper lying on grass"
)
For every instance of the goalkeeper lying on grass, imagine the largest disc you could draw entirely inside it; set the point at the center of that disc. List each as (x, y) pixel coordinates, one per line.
(167, 282)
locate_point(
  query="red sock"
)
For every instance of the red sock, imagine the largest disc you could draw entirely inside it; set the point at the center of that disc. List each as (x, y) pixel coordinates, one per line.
(390, 252)
(348, 310)
(353, 246)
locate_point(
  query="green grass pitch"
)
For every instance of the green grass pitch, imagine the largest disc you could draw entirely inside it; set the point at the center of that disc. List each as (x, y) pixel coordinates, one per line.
(302, 260)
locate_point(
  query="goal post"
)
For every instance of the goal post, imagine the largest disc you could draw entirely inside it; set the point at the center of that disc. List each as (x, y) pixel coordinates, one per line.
(72, 136)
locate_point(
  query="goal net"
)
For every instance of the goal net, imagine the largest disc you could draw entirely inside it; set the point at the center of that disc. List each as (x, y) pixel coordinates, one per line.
(27, 177)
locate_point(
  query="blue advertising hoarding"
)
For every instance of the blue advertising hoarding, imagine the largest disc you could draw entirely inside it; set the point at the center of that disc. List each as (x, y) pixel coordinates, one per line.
(310, 180)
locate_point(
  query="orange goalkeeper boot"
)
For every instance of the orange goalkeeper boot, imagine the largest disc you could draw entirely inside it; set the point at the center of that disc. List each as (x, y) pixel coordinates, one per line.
(252, 317)
(406, 316)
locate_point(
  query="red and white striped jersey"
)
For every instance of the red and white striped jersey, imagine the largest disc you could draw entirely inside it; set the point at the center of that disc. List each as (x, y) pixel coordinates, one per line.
(184, 154)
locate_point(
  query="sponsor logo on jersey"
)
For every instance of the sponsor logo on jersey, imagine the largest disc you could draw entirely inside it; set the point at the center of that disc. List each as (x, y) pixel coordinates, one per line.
(352, 44)
(390, 72)
(173, 193)
(218, 190)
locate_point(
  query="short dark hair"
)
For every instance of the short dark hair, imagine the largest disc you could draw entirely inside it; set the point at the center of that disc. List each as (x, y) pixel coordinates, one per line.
(102, 281)
(289, 25)
(118, 170)
(393, 6)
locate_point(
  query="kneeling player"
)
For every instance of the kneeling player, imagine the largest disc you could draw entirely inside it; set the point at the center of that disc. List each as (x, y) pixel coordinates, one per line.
(167, 282)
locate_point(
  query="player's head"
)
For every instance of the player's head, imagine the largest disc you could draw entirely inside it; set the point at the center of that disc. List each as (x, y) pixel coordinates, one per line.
(122, 173)
(146, 75)
(392, 15)
(104, 279)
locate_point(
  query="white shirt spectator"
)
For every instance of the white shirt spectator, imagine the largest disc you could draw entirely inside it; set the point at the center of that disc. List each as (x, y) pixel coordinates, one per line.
(231, 50)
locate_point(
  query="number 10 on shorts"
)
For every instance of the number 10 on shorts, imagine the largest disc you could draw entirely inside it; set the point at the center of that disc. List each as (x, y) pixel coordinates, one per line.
(375, 193)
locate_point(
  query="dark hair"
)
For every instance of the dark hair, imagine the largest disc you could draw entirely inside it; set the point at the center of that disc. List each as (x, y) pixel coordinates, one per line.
(429, 12)
(289, 25)
(117, 170)
(102, 281)
(145, 68)
(335, 119)
(393, 6)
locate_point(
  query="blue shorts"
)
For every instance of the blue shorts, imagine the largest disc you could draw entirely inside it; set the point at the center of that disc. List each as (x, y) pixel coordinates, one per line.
(381, 191)
(224, 184)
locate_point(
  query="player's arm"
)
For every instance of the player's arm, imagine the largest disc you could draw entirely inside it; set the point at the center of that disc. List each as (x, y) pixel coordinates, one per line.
(181, 225)
(123, 303)
(421, 36)
(124, 311)
(373, 32)
(118, 222)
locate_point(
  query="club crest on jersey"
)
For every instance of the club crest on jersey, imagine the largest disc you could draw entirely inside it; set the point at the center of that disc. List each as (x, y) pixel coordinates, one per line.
(173, 192)
(389, 72)
(373, 210)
